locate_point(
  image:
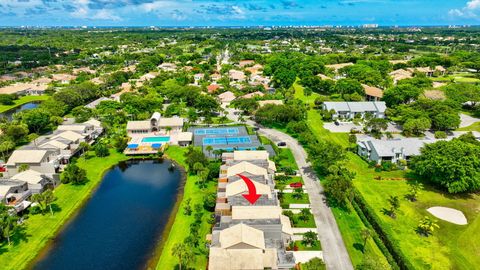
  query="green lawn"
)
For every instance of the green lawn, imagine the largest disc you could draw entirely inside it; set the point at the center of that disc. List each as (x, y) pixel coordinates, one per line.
(473, 127)
(450, 247)
(40, 229)
(21, 101)
(286, 159)
(181, 225)
(299, 94)
(298, 223)
(287, 198)
(348, 221)
(455, 247)
(315, 247)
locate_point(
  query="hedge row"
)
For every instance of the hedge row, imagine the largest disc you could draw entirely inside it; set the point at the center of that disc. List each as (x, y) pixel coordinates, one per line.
(400, 258)
(376, 238)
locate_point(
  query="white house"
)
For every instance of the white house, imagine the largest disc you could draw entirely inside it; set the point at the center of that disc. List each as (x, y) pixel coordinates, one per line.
(348, 110)
(391, 150)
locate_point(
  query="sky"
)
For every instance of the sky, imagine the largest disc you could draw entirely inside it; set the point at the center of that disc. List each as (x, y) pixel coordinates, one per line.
(237, 12)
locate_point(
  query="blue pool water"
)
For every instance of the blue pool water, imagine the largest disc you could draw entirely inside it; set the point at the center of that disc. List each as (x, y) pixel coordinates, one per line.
(216, 131)
(156, 139)
(121, 224)
(226, 140)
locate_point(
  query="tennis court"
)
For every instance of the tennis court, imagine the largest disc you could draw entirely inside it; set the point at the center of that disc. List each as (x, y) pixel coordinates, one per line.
(226, 140)
(216, 131)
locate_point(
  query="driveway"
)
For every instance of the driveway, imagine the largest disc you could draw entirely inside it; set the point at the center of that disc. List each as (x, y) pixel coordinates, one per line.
(467, 120)
(334, 251)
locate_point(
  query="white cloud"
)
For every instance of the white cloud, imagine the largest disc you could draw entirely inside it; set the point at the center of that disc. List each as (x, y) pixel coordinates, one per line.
(471, 10)
(105, 15)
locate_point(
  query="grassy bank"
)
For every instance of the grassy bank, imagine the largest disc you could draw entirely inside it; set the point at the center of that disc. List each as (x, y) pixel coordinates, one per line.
(40, 229)
(450, 247)
(349, 223)
(181, 225)
(21, 101)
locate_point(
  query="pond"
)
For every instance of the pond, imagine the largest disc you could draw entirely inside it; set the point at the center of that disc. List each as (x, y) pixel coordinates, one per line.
(120, 226)
(27, 106)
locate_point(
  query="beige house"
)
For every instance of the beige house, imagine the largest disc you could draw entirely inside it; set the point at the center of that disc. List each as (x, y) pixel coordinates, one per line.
(336, 67)
(239, 187)
(157, 123)
(226, 97)
(254, 94)
(245, 167)
(236, 75)
(241, 247)
(37, 182)
(262, 103)
(24, 89)
(41, 160)
(400, 74)
(372, 93)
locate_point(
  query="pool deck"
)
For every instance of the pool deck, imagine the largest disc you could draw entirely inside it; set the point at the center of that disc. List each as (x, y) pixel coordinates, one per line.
(145, 148)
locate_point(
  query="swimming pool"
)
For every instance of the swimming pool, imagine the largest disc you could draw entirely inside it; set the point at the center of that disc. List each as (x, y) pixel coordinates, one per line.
(216, 131)
(227, 140)
(156, 139)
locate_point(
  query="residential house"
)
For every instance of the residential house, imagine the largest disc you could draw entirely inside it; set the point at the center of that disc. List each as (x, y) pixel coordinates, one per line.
(14, 194)
(262, 103)
(400, 74)
(168, 67)
(212, 88)
(244, 63)
(392, 150)
(336, 67)
(95, 103)
(63, 78)
(236, 75)
(24, 89)
(226, 97)
(252, 95)
(428, 71)
(350, 110)
(41, 160)
(37, 182)
(372, 93)
(156, 123)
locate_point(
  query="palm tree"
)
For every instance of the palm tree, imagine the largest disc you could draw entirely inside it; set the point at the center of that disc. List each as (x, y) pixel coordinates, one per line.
(209, 149)
(8, 224)
(394, 205)
(414, 191)
(305, 214)
(217, 152)
(366, 233)
(309, 238)
(45, 200)
(183, 253)
(298, 193)
(427, 226)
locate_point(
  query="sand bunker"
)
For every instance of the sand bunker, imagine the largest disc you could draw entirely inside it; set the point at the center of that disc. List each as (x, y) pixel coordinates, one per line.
(448, 214)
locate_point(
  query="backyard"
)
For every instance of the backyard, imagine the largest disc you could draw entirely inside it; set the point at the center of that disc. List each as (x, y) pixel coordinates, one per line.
(181, 223)
(40, 229)
(21, 101)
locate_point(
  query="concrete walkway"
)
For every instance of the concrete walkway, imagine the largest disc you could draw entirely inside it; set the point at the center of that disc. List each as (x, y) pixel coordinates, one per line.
(467, 120)
(334, 252)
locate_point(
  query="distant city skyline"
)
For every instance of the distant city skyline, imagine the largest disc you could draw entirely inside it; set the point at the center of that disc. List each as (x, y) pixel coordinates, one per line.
(238, 13)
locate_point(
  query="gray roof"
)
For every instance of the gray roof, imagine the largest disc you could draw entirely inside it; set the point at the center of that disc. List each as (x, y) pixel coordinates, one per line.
(388, 148)
(362, 106)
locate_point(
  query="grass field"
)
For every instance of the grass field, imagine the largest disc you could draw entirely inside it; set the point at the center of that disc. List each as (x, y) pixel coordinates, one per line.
(450, 247)
(287, 198)
(473, 127)
(286, 159)
(314, 247)
(21, 101)
(299, 223)
(299, 94)
(181, 225)
(40, 229)
(348, 221)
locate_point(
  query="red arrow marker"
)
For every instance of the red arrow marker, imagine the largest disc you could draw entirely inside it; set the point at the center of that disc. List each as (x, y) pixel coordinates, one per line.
(252, 195)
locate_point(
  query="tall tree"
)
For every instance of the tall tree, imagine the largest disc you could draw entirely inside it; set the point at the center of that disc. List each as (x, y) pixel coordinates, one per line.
(184, 254)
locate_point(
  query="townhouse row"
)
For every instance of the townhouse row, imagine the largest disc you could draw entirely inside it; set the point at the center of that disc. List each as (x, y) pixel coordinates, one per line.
(245, 235)
(35, 167)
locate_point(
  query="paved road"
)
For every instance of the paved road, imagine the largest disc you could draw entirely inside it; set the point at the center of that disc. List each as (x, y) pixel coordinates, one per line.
(334, 252)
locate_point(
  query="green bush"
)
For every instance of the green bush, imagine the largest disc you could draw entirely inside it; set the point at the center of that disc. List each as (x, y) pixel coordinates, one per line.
(440, 135)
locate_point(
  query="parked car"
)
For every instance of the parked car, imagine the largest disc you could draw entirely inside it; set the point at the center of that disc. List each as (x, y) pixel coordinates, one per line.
(336, 123)
(296, 185)
(282, 144)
